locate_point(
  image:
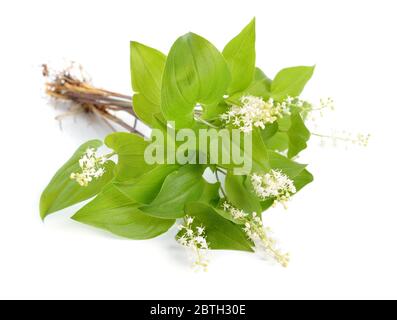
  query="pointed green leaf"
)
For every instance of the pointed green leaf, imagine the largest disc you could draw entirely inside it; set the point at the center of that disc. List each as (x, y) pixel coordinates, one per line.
(260, 156)
(302, 179)
(221, 233)
(240, 57)
(195, 73)
(269, 131)
(145, 188)
(111, 210)
(288, 166)
(290, 82)
(240, 196)
(63, 192)
(147, 66)
(298, 135)
(278, 142)
(180, 187)
(130, 149)
(260, 75)
(259, 87)
(257, 154)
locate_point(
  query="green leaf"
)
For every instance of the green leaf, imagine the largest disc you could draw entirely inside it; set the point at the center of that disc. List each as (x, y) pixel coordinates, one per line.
(259, 87)
(260, 75)
(290, 82)
(130, 149)
(147, 66)
(269, 131)
(111, 210)
(266, 204)
(298, 135)
(63, 192)
(257, 154)
(221, 234)
(195, 73)
(278, 142)
(180, 187)
(240, 196)
(260, 156)
(227, 215)
(240, 57)
(213, 112)
(210, 193)
(302, 179)
(145, 188)
(288, 166)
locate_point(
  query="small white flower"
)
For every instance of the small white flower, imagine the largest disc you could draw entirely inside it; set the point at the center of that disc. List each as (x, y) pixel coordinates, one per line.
(200, 230)
(189, 220)
(253, 228)
(183, 241)
(90, 152)
(226, 206)
(274, 184)
(91, 168)
(255, 112)
(194, 239)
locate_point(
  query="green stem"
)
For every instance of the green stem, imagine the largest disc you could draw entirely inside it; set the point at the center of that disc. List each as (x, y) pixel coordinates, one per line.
(331, 137)
(108, 156)
(205, 122)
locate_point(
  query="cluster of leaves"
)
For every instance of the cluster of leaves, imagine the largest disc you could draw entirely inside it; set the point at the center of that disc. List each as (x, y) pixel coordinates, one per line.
(140, 201)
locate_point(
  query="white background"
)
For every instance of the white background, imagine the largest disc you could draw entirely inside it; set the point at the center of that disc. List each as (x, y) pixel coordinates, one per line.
(341, 230)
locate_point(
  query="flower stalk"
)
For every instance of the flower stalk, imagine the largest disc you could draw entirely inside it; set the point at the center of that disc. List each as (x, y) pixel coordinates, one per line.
(257, 233)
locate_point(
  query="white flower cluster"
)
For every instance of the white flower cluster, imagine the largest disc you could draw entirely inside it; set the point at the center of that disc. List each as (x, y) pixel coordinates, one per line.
(253, 227)
(256, 112)
(236, 213)
(91, 168)
(195, 239)
(362, 139)
(315, 110)
(346, 138)
(327, 103)
(274, 184)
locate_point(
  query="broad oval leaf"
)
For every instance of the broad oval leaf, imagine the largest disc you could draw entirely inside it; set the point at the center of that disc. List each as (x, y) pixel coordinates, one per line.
(111, 210)
(63, 192)
(221, 233)
(130, 149)
(147, 66)
(145, 188)
(290, 82)
(302, 179)
(269, 131)
(181, 187)
(259, 87)
(287, 166)
(239, 195)
(240, 57)
(254, 158)
(298, 135)
(195, 73)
